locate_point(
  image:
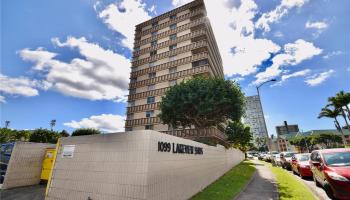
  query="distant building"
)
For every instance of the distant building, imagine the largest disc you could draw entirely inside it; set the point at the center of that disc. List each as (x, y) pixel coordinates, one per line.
(284, 133)
(254, 117)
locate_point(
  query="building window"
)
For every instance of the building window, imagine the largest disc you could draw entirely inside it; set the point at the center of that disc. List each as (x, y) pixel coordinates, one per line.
(172, 70)
(128, 128)
(172, 37)
(152, 75)
(151, 99)
(172, 47)
(154, 24)
(149, 127)
(153, 53)
(172, 26)
(134, 69)
(133, 80)
(172, 83)
(152, 64)
(132, 91)
(199, 63)
(131, 103)
(154, 43)
(149, 113)
(137, 49)
(172, 17)
(152, 87)
(172, 58)
(130, 116)
(154, 33)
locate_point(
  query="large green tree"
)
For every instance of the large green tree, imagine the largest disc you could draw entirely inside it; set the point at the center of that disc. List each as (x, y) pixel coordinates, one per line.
(44, 136)
(239, 135)
(86, 131)
(202, 102)
(12, 135)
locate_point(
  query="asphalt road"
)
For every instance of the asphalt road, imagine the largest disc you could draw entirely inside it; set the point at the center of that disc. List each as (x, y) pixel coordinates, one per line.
(36, 192)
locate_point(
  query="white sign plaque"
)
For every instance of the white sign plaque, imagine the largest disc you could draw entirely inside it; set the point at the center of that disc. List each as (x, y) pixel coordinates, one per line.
(68, 151)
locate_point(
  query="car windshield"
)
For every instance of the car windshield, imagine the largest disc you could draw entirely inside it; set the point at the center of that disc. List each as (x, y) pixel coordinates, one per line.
(337, 158)
(304, 158)
(289, 155)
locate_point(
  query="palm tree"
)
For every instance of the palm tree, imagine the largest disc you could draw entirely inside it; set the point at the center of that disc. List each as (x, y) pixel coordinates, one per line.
(344, 100)
(52, 124)
(339, 101)
(326, 112)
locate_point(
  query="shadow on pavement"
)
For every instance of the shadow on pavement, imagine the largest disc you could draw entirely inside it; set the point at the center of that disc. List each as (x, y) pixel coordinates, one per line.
(36, 192)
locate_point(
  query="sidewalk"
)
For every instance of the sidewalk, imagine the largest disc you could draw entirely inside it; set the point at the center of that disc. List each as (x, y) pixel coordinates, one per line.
(262, 186)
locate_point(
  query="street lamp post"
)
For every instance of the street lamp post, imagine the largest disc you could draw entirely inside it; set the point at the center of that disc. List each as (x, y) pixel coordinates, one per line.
(257, 89)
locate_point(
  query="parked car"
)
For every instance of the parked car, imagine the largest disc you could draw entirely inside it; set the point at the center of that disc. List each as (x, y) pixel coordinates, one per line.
(301, 165)
(5, 154)
(276, 160)
(261, 156)
(286, 159)
(331, 170)
(249, 156)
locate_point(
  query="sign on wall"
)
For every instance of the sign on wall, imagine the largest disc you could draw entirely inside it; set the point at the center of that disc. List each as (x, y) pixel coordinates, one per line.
(179, 148)
(68, 151)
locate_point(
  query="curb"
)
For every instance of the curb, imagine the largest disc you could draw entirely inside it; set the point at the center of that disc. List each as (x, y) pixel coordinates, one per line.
(246, 185)
(314, 192)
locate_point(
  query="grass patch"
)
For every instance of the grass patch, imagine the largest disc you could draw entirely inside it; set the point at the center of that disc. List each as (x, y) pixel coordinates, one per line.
(288, 185)
(229, 185)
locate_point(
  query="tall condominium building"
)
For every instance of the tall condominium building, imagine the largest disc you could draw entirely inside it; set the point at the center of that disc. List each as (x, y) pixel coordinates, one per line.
(168, 49)
(254, 117)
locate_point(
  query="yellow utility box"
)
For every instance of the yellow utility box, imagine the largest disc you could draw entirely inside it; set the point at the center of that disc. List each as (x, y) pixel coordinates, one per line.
(48, 163)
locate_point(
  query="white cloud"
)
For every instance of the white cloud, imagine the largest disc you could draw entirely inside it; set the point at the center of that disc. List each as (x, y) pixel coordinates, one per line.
(295, 74)
(285, 77)
(278, 34)
(20, 86)
(123, 16)
(178, 3)
(294, 53)
(152, 9)
(319, 78)
(332, 53)
(105, 122)
(275, 15)
(242, 53)
(2, 99)
(102, 75)
(320, 25)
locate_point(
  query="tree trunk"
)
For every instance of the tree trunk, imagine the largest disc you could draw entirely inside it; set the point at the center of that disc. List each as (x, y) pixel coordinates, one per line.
(342, 134)
(348, 110)
(346, 121)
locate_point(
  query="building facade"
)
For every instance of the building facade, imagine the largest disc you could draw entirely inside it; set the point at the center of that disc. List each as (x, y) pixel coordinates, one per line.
(168, 49)
(254, 117)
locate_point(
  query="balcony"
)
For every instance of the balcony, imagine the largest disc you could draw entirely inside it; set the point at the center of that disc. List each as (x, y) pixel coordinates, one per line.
(167, 54)
(185, 73)
(192, 5)
(192, 14)
(143, 95)
(144, 107)
(142, 121)
(188, 36)
(170, 64)
(170, 32)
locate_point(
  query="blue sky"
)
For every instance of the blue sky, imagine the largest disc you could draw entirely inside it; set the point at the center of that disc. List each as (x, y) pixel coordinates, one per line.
(69, 60)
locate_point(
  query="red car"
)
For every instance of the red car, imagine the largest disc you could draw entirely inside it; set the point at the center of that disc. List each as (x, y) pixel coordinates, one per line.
(331, 170)
(301, 165)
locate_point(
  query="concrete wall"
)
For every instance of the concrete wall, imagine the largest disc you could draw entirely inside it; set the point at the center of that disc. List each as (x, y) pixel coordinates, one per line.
(25, 164)
(129, 166)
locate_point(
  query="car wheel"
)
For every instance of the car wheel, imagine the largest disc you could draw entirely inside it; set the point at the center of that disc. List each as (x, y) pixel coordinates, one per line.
(328, 190)
(300, 174)
(316, 182)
